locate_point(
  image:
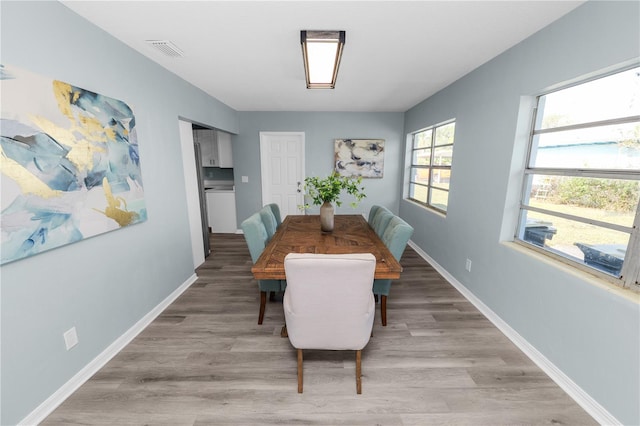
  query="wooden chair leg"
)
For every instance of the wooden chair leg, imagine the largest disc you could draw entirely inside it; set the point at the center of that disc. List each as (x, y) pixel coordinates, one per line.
(299, 370)
(359, 372)
(272, 296)
(383, 310)
(263, 303)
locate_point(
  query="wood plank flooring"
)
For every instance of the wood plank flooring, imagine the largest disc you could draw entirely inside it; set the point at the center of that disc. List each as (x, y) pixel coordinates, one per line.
(206, 361)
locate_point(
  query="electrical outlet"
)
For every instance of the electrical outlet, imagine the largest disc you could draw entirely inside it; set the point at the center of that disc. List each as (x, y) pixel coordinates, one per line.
(245, 179)
(71, 338)
(467, 265)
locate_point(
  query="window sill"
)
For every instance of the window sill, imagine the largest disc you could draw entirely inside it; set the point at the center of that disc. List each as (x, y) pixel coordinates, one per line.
(631, 294)
(426, 207)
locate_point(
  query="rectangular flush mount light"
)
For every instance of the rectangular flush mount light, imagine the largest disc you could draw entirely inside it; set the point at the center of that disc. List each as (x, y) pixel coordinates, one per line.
(321, 51)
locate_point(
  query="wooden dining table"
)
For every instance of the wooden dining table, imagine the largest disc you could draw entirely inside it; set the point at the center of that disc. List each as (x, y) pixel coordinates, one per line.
(302, 234)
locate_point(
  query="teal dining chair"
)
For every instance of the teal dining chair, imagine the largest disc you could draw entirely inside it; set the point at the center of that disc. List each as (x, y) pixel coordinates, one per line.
(372, 213)
(276, 213)
(269, 221)
(395, 237)
(381, 220)
(255, 234)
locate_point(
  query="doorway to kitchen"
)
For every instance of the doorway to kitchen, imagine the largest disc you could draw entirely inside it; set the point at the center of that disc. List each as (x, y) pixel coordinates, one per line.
(282, 163)
(197, 222)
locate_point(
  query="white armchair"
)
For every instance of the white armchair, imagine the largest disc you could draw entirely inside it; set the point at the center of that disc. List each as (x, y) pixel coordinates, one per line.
(328, 303)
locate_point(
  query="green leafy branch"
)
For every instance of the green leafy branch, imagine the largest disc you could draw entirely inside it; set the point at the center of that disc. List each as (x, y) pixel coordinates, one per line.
(330, 188)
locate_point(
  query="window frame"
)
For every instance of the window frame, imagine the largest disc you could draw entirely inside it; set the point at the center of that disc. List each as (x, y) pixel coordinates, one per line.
(411, 183)
(630, 272)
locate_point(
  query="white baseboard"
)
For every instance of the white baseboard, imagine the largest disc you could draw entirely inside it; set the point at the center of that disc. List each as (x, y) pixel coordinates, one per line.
(582, 398)
(57, 398)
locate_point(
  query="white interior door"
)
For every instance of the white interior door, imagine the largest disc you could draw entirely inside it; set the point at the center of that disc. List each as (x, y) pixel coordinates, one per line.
(282, 160)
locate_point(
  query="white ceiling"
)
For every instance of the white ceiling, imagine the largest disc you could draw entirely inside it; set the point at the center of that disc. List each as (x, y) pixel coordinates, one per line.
(247, 53)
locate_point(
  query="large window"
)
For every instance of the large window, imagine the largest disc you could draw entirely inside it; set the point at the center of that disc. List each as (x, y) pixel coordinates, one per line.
(580, 201)
(431, 155)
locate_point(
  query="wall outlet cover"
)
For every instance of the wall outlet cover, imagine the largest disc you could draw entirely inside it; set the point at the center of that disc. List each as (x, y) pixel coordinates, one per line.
(71, 338)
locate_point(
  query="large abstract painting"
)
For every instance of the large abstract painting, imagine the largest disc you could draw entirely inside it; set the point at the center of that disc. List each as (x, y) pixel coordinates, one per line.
(359, 157)
(69, 161)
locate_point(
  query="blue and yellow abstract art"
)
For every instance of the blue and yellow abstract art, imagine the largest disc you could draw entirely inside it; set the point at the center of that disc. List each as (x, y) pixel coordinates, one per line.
(70, 164)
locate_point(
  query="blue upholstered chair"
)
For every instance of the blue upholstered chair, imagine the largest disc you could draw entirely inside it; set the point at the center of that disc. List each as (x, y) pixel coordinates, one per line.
(276, 213)
(256, 236)
(269, 221)
(372, 212)
(395, 237)
(381, 220)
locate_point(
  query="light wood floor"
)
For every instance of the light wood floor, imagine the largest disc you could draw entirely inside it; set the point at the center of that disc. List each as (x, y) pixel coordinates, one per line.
(206, 361)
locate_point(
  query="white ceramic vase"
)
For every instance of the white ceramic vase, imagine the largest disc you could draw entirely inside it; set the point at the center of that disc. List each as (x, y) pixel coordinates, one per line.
(326, 217)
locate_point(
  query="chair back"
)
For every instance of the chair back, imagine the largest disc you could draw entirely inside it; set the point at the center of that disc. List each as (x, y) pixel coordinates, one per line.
(328, 303)
(396, 236)
(269, 221)
(372, 213)
(276, 213)
(381, 220)
(255, 234)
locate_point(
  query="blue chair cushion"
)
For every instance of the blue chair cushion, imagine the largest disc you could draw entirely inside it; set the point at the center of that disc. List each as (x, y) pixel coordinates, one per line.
(272, 285)
(381, 287)
(381, 221)
(276, 213)
(255, 234)
(372, 213)
(395, 237)
(269, 221)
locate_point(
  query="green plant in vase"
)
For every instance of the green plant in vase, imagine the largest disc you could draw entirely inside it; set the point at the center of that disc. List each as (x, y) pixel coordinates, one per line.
(325, 191)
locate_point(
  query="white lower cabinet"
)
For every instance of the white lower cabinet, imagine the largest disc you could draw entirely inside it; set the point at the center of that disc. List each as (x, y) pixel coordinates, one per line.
(221, 210)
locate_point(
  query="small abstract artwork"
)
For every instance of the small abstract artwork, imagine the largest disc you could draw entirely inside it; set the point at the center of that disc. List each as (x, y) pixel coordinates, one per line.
(69, 163)
(359, 157)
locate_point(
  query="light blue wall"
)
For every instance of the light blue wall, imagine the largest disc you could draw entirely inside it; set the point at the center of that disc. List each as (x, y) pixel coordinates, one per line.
(105, 284)
(589, 332)
(320, 128)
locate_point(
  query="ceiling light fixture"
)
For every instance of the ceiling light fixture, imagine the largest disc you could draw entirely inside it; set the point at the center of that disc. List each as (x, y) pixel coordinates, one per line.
(321, 52)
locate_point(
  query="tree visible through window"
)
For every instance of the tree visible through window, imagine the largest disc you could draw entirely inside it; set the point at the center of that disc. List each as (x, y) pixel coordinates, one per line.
(431, 157)
(582, 182)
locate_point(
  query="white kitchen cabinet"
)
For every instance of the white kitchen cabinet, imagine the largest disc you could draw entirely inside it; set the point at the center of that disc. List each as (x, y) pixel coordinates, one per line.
(225, 156)
(221, 210)
(215, 147)
(208, 147)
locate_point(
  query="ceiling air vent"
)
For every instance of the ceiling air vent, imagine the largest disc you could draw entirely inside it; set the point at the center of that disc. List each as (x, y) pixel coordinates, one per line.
(166, 47)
